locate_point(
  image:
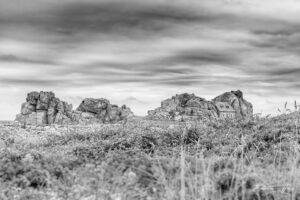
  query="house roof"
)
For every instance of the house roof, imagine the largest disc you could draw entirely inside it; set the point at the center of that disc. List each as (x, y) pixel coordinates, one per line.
(224, 107)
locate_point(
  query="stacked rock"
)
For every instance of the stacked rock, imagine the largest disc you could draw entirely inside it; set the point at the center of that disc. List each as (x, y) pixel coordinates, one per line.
(44, 108)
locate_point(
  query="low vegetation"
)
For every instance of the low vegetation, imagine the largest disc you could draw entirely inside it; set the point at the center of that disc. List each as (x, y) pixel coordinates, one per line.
(144, 159)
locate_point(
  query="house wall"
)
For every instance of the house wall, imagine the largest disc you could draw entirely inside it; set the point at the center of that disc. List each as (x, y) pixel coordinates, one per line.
(227, 115)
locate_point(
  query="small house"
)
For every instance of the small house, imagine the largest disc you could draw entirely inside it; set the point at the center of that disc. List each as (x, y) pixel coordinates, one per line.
(225, 110)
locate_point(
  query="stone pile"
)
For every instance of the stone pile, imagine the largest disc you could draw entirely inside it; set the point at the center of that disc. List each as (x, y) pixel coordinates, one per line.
(43, 108)
(184, 107)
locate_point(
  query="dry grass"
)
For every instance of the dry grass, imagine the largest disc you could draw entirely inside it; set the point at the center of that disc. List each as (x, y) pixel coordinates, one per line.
(143, 159)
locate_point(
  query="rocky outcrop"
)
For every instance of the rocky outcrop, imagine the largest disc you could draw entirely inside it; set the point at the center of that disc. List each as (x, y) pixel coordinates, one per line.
(103, 111)
(44, 108)
(186, 107)
(242, 107)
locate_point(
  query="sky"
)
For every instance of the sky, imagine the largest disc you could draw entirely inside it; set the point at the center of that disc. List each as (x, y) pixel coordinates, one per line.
(139, 53)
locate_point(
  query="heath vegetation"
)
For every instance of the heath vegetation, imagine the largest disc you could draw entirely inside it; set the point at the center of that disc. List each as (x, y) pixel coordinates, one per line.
(148, 159)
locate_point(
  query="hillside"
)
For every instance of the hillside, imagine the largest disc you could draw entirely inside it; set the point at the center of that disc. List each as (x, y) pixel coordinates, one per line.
(146, 159)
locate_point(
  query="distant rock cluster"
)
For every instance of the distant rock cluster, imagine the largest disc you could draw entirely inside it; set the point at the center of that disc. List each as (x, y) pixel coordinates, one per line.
(184, 107)
(43, 108)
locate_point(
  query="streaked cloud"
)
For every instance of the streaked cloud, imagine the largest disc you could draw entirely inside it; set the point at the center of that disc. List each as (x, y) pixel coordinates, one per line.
(138, 51)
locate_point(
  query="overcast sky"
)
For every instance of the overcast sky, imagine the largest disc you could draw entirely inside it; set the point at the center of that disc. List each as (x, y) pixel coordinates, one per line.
(141, 52)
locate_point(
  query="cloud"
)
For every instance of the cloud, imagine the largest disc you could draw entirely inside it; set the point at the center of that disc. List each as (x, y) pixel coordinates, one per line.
(150, 49)
(75, 20)
(14, 59)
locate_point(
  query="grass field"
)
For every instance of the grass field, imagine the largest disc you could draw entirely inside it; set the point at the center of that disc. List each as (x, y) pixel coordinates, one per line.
(151, 160)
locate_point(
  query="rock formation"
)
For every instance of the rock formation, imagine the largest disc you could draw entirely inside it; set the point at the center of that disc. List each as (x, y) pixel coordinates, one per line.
(44, 109)
(185, 107)
(242, 107)
(103, 111)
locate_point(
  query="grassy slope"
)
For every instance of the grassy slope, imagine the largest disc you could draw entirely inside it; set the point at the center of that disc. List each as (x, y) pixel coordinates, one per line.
(153, 160)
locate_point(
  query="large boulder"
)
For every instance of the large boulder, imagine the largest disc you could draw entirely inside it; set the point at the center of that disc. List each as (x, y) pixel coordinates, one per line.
(32, 98)
(104, 111)
(242, 107)
(93, 105)
(44, 100)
